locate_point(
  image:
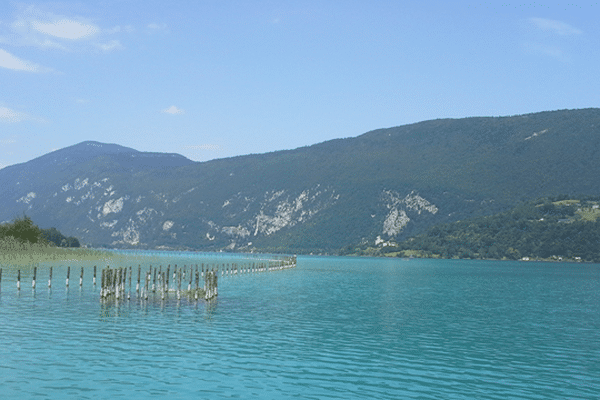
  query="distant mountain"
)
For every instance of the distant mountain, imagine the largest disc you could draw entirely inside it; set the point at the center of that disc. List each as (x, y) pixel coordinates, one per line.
(560, 229)
(385, 184)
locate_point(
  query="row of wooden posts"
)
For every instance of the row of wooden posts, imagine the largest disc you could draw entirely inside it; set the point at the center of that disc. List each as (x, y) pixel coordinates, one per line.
(114, 282)
(34, 278)
(114, 279)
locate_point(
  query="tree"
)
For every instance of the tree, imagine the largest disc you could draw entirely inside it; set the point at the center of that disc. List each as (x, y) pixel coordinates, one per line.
(24, 230)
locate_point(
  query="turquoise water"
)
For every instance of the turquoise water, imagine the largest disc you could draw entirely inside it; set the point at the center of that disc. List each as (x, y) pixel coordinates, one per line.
(332, 328)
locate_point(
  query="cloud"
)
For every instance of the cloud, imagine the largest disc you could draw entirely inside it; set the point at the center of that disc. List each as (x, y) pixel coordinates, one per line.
(37, 28)
(109, 46)
(173, 110)
(557, 27)
(9, 61)
(117, 29)
(211, 147)
(66, 29)
(547, 50)
(156, 27)
(7, 141)
(11, 116)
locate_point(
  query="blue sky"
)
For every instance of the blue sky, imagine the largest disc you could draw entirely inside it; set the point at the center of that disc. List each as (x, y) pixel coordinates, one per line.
(213, 79)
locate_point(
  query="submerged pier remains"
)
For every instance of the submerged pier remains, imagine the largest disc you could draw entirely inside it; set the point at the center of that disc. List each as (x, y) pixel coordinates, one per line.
(160, 283)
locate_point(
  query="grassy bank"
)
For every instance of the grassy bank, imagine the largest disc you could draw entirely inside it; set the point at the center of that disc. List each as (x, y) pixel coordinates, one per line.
(15, 252)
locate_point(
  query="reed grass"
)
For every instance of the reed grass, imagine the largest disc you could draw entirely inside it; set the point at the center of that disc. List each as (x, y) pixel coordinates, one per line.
(15, 252)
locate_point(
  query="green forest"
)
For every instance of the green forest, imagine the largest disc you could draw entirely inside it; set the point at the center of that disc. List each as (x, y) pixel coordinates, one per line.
(558, 228)
(24, 231)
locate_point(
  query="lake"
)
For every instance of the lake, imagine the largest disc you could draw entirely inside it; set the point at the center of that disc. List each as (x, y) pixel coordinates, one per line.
(331, 328)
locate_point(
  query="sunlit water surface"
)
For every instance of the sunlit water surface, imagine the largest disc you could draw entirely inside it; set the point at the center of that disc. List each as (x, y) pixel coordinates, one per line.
(332, 328)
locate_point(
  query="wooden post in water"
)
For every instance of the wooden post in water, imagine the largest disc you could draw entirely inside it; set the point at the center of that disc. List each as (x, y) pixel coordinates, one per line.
(197, 282)
(168, 273)
(175, 275)
(0, 279)
(34, 276)
(206, 285)
(130, 276)
(118, 277)
(179, 284)
(50, 279)
(146, 285)
(68, 274)
(210, 284)
(19, 280)
(137, 287)
(94, 275)
(81, 278)
(191, 274)
(154, 281)
(102, 283)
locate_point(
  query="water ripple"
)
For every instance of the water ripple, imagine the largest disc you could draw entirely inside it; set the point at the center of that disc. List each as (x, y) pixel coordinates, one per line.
(334, 328)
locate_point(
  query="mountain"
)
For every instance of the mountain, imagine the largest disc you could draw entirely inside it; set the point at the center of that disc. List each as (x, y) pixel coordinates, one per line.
(385, 184)
(556, 229)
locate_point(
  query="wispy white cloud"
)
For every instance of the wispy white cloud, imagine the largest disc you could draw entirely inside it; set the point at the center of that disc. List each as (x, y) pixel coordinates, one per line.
(66, 29)
(7, 141)
(110, 46)
(154, 28)
(556, 27)
(10, 61)
(546, 50)
(11, 116)
(157, 26)
(118, 29)
(173, 110)
(37, 28)
(211, 147)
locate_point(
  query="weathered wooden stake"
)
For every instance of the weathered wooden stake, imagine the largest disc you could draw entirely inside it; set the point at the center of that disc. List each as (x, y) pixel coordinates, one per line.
(137, 287)
(94, 275)
(179, 284)
(81, 278)
(68, 274)
(168, 273)
(102, 283)
(154, 281)
(118, 277)
(34, 276)
(124, 280)
(197, 283)
(19, 280)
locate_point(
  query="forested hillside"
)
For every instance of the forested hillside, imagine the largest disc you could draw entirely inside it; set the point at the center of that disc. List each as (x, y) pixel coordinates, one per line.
(385, 185)
(558, 228)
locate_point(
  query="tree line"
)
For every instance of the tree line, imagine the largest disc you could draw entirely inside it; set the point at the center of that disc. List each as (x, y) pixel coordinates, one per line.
(25, 231)
(550, 228)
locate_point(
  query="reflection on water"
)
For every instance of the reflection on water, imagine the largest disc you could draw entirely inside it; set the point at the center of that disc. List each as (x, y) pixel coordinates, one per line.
(333, 328)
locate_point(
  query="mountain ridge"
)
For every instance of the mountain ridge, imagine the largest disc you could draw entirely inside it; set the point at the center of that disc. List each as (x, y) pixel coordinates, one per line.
(315, 198)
